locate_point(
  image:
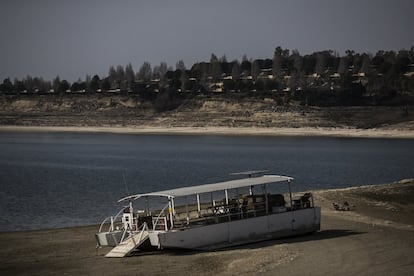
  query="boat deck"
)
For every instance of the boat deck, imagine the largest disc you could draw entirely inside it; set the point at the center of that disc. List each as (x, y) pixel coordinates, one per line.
(242, 207)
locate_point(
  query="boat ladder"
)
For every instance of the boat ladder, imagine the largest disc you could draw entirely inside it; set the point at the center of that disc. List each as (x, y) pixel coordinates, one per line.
(128, 245)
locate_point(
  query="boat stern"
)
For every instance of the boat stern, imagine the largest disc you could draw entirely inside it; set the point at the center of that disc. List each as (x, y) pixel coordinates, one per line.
(108, 238)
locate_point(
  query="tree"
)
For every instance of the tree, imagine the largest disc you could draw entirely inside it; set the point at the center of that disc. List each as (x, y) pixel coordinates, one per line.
(112, 74)
(246, 66)
(120, 73)
(6, 86)
(309, 62)
(213, 58)
(106, 84)
(259, 85)
(320, 63)
(249, 85)
(255, 69)
(47, 85)
(129, 75)
(88, 79)
(74, 87)
(174, 84)
(200, 71)
(180, 66)
(56, 84)
(167, 99)
(64, 86)
(82, 86)
(223, 59)
(297, 61)
(402, 62)
(229, 85)
(343, 65)
(160, 73)
(235, 70)
(240, 85)
(183, 79)
(163, 68)
(277, 65)
(19, 86)
(293, 82)
(145, 72)
(95, 83)
(28, 83)
(366, 62)
(271, 85)
(216, 70)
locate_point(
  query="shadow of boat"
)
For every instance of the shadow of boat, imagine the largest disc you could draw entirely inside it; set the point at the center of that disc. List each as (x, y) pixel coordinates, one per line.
(321, 235)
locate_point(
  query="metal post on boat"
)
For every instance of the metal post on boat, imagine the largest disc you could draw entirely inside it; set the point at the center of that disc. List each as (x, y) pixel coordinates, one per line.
(290, 195)
(266, 200)
(239, 206)
(198, 204)
(291, 205)
(173, 205)
(170, 212)
(314, 209)
(313, 203)
(227, 203)
(131, 215)
(147, 205)
(186, 210)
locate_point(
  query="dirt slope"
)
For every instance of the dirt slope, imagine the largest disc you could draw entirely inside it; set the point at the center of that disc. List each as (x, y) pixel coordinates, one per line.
(109, 111)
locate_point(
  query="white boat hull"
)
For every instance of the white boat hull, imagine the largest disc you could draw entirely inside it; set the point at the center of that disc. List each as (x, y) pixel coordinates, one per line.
(108, 238)
(243, 231)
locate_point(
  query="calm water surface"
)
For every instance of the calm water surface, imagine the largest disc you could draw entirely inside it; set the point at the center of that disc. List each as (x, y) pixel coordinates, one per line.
(68, 179)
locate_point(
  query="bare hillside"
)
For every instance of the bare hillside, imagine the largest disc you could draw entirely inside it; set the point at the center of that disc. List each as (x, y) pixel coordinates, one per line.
(117, 110)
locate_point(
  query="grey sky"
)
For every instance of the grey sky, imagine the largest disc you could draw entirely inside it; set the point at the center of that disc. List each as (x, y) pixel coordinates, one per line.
(77, 37)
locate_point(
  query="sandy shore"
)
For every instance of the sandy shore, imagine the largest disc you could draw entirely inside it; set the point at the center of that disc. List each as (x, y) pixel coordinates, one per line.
(375, 238)
(323, 132)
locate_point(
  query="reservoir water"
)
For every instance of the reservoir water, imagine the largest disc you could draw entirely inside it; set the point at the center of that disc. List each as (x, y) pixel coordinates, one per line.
(53, 180)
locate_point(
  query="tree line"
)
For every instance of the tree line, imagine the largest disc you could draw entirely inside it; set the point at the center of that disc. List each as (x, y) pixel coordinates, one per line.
(320, 78)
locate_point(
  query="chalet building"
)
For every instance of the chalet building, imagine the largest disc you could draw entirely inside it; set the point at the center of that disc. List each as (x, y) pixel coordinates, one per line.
(360, 77)
(216, 87)
(265, 74)
(335, 76)
(410, 71)
(246, 77)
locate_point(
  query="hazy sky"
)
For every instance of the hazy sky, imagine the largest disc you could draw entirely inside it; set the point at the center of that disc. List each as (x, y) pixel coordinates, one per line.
(77, 37)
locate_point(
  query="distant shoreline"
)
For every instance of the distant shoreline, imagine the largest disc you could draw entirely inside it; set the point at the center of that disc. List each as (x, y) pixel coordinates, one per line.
(236, 131)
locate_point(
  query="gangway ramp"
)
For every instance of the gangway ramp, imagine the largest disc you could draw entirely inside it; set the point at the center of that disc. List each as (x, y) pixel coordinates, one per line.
(128, 245)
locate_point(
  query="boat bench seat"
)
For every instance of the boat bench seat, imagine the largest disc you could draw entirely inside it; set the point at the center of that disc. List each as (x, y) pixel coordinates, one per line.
(183, 216)
(194, 214)
(302, 202)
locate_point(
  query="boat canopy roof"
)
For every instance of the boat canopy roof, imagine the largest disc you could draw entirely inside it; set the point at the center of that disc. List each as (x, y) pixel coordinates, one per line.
(206, 188)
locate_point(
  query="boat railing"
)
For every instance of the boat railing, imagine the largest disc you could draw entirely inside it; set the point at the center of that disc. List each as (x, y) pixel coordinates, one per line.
(140, 230)
(160, 220)
(112, 221)
(303, 202)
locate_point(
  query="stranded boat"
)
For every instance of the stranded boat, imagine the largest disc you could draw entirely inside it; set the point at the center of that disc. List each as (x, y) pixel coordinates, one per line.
(210, 216)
